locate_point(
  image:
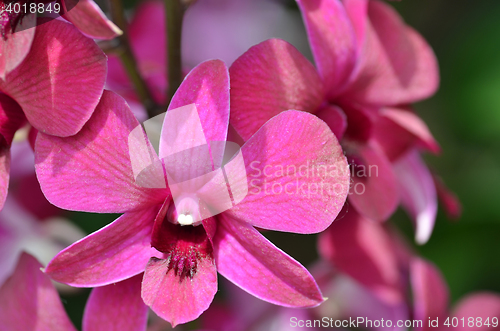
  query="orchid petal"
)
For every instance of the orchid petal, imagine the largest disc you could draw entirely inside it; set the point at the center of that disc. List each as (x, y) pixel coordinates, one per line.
(92, 171)
(253, 263)
(430, 293)
(360, 122)
(289, 191)
(418, 193)
(11, 119)
(89, 19)
(179, 300)
(399, 129)
(357, 300)
(114, 253)
(146, 33)
(362, 249)
(482, 305)
(29, 301)
(335, 118)
(15, 46)
(147, 46)
(357, 10)
(448, 199)
(116, 307)
(374, 193)
(60, 82)
(394, 140)
(269, 78)
(198, 116)
(148, 41)
(4, 175)
(333, 42)
(397, 65)
(207, 86)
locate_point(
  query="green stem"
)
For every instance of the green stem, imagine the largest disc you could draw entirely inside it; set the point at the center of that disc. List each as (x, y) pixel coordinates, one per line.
(129, 61)
(175, 13)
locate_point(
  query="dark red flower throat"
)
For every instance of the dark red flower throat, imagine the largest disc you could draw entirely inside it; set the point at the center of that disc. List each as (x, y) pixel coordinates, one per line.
(183, 246)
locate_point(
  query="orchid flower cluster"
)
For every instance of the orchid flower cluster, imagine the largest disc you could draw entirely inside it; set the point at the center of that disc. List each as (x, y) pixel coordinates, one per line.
(261, 139)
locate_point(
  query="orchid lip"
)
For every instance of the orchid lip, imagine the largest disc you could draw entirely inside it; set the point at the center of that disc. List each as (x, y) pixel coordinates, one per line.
(183, 246)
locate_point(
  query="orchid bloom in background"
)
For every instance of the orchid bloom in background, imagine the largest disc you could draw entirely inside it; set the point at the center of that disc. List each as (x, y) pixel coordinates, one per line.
(28, 222)
(212, 29)
(369, 253)
(89, 19)
(29, 302)
(346, 298)
(479, 311)
(368, 63)
(24, 187)
(18, 28)
(55, 88)
(21, 231)
(377, 258)
(179, 253)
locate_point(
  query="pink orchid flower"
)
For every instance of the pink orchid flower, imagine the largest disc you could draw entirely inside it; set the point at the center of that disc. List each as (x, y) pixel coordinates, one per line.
(378, 258)
(28, 222)
(417, 192)
(21, 231)
(212, 29)
(484, 306)
(55, 88)
(477, 311)
(18, 28)
(361, 54)
(367, 252)
(92, 171)
(16, 37)
(24, 187)
(29, 302)
(89, 19)
(346, 298)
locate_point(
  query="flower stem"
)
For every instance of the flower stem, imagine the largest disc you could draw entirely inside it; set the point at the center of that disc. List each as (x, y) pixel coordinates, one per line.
(129, 61)
(175, 13)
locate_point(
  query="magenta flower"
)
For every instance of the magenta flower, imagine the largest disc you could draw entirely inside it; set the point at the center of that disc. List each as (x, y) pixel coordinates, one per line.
(55, 88)
(29, 301)
(92, 171)
(17, 29)
(418, 193)
(16, 37)
(485, 305)
(346, 298)
(89, 19)
(367, 252)
(211, 30)
(478, 311)
(21, 231)
(367, 59)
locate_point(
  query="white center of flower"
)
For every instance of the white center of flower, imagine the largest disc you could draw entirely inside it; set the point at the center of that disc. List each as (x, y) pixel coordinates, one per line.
(184, 219)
